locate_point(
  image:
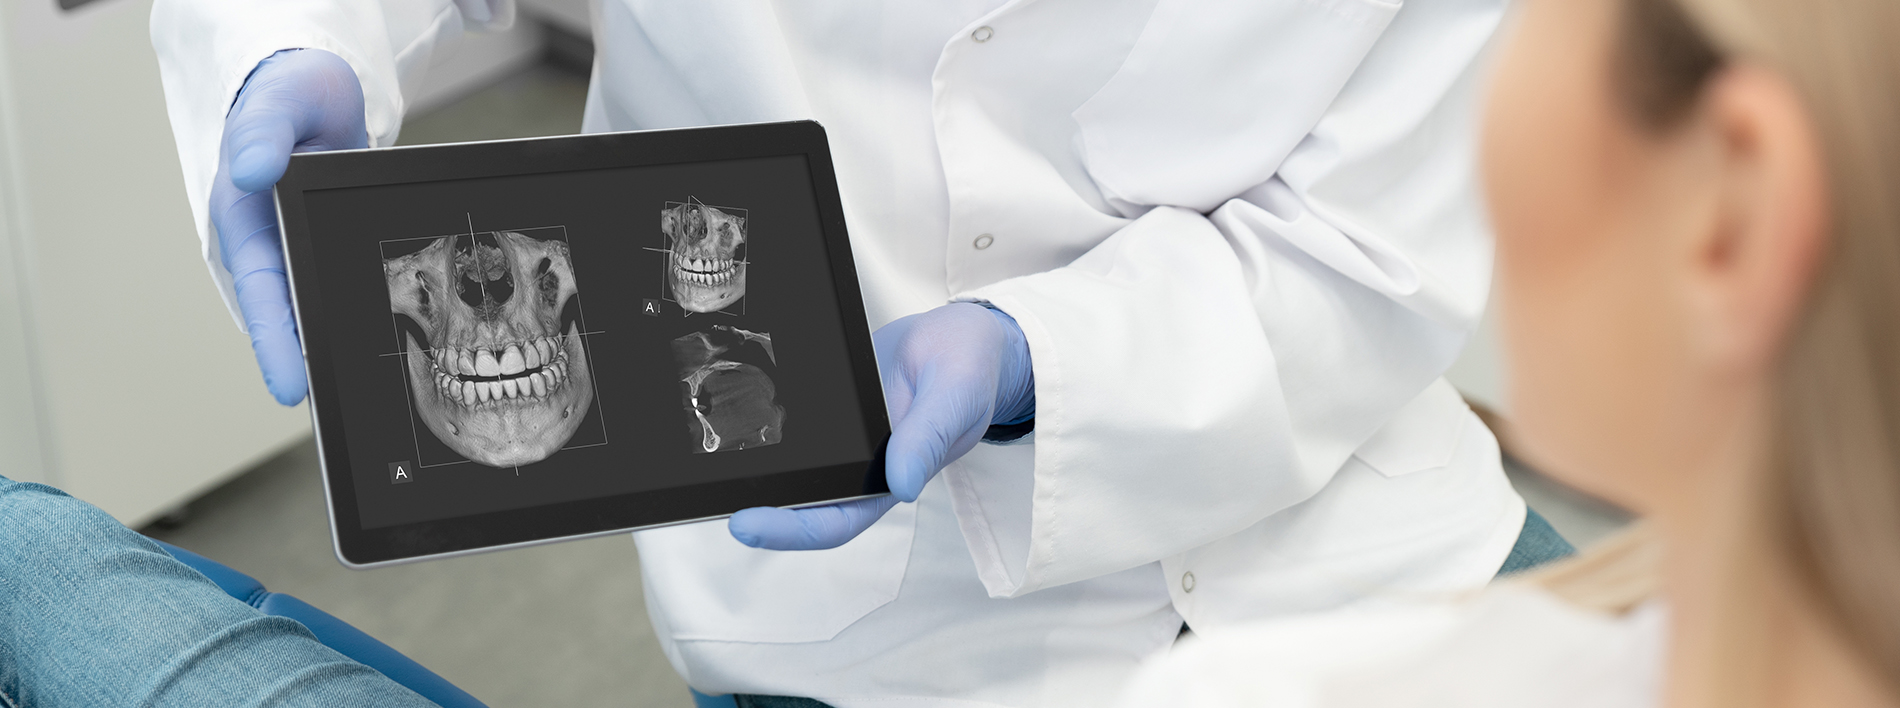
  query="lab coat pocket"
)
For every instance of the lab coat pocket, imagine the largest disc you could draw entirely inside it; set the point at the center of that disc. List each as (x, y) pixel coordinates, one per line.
(1422, 436)
(1214, 96)
(702, 585)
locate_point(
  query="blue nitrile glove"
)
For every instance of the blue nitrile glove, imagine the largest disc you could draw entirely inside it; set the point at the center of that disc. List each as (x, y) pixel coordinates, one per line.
(299, 100)
(949, 374)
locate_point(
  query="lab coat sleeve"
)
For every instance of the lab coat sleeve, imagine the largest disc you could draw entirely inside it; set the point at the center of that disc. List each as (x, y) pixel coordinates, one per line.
(207, 48)
(1219, 358)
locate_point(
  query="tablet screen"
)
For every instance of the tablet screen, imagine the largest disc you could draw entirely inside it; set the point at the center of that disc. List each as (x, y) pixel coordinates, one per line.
(511, 342)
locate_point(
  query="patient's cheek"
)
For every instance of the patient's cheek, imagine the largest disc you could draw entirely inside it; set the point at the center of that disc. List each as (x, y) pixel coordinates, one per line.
(1554, 156)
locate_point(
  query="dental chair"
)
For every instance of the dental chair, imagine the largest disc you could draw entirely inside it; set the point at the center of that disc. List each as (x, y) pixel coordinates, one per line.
(334, 633)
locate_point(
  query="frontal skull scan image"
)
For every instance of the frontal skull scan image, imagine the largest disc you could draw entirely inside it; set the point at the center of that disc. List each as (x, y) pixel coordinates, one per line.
(492, 342)
(707, 265)
(731, 402)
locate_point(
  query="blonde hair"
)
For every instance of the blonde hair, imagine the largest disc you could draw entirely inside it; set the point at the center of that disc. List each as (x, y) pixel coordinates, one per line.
(1836, 459)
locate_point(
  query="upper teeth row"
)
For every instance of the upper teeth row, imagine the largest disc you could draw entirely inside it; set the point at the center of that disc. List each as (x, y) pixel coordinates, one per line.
(703, 265)
(515, 359)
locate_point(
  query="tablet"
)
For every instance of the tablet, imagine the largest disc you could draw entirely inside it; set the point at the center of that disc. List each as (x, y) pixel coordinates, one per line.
(525, 341)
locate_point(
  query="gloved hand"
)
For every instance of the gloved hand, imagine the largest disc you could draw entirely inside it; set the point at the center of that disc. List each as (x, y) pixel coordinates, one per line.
(297, 100)
(948, 374)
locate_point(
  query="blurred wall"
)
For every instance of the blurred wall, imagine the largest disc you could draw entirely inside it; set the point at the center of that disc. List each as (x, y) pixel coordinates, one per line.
(1480, 372)
(122, 378)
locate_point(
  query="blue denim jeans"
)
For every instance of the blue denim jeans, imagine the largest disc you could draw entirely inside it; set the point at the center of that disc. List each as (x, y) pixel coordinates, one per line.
(1536, 545)
(93, 614)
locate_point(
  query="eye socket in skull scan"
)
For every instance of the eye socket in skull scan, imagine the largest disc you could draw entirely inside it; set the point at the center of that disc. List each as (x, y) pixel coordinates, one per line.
(706, 268)
(491, 335)
(731, 402)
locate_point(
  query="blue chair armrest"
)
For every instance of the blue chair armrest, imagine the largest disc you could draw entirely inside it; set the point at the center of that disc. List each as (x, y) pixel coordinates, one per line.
(352, 642)
(701, 700)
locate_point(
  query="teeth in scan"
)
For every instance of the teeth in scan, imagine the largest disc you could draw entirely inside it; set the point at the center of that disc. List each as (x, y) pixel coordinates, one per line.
(525, 370)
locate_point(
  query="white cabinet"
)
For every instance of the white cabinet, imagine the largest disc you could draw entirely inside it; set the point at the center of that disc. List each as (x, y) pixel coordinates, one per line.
(122, 379)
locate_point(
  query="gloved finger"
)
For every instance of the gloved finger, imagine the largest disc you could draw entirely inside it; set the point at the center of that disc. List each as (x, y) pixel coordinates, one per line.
(810, 529)
(249, 246)
(945, 420)
(268, 317)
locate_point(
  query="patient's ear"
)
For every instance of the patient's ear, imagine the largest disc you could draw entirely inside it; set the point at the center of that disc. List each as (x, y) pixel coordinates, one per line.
(1748, 272)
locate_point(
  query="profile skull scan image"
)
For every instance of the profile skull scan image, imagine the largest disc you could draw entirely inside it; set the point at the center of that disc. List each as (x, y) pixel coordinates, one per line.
(706, 270)
(491, 335)
(731, 402)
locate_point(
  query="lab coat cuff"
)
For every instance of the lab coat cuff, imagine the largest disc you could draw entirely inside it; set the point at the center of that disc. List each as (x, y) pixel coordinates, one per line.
(206, 56)
(993, 503)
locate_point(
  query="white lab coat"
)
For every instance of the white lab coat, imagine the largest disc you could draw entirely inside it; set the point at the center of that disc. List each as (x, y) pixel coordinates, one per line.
(1241, 238)
(1511, 646)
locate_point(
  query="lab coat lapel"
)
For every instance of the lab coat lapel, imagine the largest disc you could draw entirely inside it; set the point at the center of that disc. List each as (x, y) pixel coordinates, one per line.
(730, 53)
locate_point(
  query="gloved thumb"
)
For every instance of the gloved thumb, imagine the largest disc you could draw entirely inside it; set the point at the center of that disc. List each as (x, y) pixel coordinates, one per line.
(307, 98)
(940, 426)
(260, 144)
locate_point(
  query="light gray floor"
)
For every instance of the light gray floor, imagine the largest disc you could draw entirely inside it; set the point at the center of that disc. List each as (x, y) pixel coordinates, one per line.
(560, 625)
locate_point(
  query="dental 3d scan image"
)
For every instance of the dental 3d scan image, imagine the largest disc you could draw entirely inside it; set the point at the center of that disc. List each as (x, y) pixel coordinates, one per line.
(490, 325)
(731, 402)
(707, 268)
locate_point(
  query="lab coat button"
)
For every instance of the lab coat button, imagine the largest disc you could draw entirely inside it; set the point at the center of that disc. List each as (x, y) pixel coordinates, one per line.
(983, 241)
(983, 34)
(1187, 582)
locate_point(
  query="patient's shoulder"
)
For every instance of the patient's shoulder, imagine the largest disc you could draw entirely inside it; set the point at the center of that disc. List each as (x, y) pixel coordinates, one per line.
(1511, 646)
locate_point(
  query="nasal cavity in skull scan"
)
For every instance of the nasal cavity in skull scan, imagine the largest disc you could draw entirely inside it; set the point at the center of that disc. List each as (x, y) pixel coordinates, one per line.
(706, 255)
(490, 326)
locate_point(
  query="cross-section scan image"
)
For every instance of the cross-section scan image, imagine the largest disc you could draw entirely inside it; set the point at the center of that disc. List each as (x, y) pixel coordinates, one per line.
(706, 267)
(726, 385)
(492, 341)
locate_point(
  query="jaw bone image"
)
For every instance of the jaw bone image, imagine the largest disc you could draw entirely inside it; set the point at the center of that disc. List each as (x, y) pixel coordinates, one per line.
(730, 399)
(491, 332)
(706, 272)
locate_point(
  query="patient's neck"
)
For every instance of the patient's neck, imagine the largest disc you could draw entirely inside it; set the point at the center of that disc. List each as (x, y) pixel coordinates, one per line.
(1746, 629)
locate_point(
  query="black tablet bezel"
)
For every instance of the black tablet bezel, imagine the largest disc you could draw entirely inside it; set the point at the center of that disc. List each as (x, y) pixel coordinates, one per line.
(360, 548)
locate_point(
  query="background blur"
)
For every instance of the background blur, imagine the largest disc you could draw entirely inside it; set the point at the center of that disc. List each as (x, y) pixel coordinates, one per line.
(124, 381)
